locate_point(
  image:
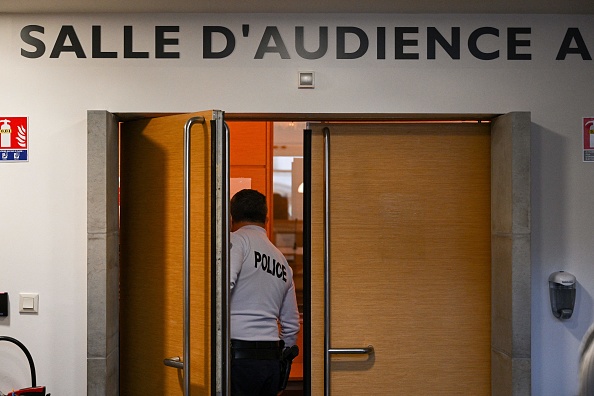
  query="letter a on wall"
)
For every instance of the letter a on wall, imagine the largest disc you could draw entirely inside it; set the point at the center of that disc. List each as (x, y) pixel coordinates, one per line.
(14, 139)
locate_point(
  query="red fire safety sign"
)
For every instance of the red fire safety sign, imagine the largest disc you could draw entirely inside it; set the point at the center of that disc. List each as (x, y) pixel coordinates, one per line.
(14, 139)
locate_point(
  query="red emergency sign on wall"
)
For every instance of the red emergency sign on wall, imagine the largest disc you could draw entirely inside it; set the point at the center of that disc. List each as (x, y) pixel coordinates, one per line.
(14, 139)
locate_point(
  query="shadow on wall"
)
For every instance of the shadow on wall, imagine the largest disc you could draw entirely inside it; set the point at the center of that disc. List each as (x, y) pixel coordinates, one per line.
(582, 315)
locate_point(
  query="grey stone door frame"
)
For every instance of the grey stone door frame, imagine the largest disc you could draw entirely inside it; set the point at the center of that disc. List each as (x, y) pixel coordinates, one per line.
(510, 243)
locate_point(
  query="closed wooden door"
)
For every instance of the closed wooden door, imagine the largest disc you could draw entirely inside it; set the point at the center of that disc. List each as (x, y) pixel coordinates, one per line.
(152, 255)
(409, 259)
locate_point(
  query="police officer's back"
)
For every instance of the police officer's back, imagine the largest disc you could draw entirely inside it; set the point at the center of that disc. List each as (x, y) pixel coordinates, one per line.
(262, 297)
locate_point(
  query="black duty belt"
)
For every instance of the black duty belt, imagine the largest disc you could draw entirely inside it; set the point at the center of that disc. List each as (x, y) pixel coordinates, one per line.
(259, 350)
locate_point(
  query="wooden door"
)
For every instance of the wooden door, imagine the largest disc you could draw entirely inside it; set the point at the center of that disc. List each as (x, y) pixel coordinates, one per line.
(151, 255)
(409, 223)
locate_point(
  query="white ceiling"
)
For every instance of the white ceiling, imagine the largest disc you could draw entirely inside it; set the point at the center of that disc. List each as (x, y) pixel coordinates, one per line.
(302, 6)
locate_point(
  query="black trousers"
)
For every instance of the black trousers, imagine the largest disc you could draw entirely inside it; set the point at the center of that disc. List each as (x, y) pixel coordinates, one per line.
(251, 377)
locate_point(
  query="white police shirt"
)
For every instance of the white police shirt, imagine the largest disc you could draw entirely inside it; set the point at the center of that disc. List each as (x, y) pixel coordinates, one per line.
(262, 289)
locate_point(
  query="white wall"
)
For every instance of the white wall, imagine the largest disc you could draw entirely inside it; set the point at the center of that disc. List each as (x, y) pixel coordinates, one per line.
(43, 201)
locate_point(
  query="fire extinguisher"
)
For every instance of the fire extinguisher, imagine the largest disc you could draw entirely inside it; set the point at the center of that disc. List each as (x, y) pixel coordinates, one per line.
(5, 132)
(591, 133)
(34, 390)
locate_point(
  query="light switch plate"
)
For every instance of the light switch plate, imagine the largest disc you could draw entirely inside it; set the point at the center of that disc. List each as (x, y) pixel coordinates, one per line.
(29, 302)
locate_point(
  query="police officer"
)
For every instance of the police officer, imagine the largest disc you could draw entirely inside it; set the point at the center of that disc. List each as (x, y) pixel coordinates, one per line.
(262, 297)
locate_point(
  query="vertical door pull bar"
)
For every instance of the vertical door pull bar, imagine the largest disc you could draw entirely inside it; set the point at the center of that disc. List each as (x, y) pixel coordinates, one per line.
(327, 350)
(176, 361)
(187, 157)
(326, 132)
(226, 323)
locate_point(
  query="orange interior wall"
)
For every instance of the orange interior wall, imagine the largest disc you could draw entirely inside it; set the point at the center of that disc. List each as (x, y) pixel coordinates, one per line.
(250, 156)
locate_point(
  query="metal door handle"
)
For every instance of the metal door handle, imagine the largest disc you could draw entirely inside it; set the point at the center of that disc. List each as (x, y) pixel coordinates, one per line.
(175, 362)
(220, 262)
(352, 351)
(327, 331)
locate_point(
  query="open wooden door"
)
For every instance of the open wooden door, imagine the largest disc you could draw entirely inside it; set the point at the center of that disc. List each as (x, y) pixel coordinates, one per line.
(400, 214)
(158, 230)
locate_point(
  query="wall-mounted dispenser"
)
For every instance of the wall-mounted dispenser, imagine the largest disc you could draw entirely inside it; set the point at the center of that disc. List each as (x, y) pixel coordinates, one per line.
(562, 292)
(3, 303)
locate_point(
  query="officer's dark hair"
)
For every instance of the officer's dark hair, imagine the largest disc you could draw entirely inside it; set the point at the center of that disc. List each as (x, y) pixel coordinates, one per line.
(249, 205)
